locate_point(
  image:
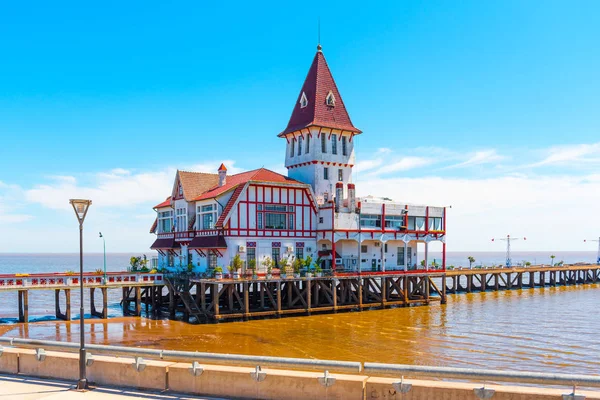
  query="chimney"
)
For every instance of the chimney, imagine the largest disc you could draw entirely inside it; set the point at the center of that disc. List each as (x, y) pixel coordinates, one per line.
(351, 197)
(339, 195)
(222, 175)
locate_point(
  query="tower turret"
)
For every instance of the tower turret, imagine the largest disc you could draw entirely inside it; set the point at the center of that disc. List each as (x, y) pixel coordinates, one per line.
(319, 134)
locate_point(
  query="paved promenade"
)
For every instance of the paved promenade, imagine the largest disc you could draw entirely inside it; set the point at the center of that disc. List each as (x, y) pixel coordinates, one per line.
(25, 388)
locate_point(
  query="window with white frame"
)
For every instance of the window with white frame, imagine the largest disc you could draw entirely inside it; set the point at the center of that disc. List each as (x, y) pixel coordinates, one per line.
(435, 223)
(303, 100)
(299, 253)
(326, 173)
(207, 216)
(344, 146)
(370, 221)
(334, 144)
(330, 99)
(400, 257)
(212, 260)
(420, 223)
(276, 217)
(364, 248)
(181, 219)
(250, 254)
(307, 143)
(300, 145)
(165, 221)
(394, 221)
(323, 143)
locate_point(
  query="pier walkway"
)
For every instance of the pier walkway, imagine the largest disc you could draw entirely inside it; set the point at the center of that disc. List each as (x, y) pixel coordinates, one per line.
(30, 388)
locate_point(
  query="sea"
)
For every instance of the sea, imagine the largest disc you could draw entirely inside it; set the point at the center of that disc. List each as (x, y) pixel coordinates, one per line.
(551, 329)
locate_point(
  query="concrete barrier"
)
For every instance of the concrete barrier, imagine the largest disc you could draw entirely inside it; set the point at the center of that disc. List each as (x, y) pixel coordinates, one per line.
(64, 366)
(116, 371)
(383, 389)
(237, 382)
(9, 361)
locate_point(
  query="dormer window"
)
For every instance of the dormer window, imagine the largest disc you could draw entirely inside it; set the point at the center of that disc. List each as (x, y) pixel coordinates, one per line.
(303, 100)
(330, 99)
(180, 190)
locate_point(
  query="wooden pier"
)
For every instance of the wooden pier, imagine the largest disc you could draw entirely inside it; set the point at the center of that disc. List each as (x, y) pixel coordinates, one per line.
(481, 280)
(140, 284)
(210, 300)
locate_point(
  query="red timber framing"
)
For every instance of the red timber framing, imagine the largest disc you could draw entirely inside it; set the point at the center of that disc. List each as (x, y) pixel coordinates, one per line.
(246, 223)
(201, 253)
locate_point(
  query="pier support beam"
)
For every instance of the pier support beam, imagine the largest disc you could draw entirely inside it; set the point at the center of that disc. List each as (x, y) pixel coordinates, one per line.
(95, 313)
(23, 296)
(59, 314)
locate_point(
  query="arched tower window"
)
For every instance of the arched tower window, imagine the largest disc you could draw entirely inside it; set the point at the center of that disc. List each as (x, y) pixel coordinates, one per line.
(303, 100)
(330, 99)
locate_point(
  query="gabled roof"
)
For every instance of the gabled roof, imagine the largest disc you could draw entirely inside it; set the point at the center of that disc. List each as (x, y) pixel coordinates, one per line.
(195, 183)
(318, 84)
(257, 175)
(166, 203)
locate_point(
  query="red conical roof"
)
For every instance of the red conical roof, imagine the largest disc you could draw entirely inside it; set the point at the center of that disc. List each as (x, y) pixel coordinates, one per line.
(222, 167)
(317, 85)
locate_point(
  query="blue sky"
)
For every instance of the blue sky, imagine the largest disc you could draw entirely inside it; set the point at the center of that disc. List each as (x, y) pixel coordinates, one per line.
(489, 106)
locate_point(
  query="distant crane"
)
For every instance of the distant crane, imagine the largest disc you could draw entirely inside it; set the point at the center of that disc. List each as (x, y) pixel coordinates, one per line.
(596, 240)
(508, 240)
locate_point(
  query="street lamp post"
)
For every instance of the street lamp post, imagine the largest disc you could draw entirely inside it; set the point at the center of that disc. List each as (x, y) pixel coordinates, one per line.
(81, 208)
(104, 243)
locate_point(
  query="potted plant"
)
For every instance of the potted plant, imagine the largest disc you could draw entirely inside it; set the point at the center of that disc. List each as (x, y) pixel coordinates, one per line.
(218, 273)
(297, 266)
(235, 266)
(252, 267)
(283, 266)
(318, 271)
(267, 263)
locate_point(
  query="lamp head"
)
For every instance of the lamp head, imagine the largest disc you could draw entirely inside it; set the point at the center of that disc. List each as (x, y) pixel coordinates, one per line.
(81, 207)
(100, 234)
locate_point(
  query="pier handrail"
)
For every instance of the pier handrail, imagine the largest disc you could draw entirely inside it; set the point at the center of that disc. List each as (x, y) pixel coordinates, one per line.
(236, 359)
(419, 371)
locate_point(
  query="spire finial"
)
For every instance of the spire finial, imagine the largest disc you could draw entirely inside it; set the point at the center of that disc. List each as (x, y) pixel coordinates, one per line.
(319, 47)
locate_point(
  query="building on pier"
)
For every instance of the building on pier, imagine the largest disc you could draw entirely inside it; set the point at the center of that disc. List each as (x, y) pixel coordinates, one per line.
(314, 211)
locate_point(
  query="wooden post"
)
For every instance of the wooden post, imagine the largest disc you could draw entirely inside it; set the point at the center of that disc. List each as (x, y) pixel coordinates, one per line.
(483, 282)
(308, 295)
(215, 299)
(497, 281)
(469, 283)
(23, 296)
(246, 300)
(520, 280)
(443, 300)
(383, 291)
(334, 293)
(125, 302)
(406, 287)
(532, 279)
(508, 281)
(360, 293)
(279, 298)
(138, 301)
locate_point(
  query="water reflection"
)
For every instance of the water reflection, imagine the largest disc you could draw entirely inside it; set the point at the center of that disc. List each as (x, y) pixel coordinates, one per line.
(546, 329)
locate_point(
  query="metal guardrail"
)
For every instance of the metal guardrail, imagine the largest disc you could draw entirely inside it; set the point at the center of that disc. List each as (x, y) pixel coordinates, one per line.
(215, 358)
(413, 371)
(371, 369)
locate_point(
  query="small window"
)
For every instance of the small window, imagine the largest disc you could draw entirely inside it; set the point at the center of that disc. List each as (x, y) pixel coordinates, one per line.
(300, 145)
(344, 146)
(180, 190)
(307, 143)
(330, 99)
(340, 175)
(326, 173)
(364, 248)
(334, 144)
(323, 143)
(385, 248)
(292, 148)
(320, 220)
(303, 100)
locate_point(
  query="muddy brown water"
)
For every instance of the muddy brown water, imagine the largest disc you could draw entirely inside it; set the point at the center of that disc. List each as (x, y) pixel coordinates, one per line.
(544, 329)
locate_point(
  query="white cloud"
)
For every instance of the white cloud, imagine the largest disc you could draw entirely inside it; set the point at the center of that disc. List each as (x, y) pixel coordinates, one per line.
(571, 154)
(404, 164)
(478, 158)
(553, 212)
(10, 204)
